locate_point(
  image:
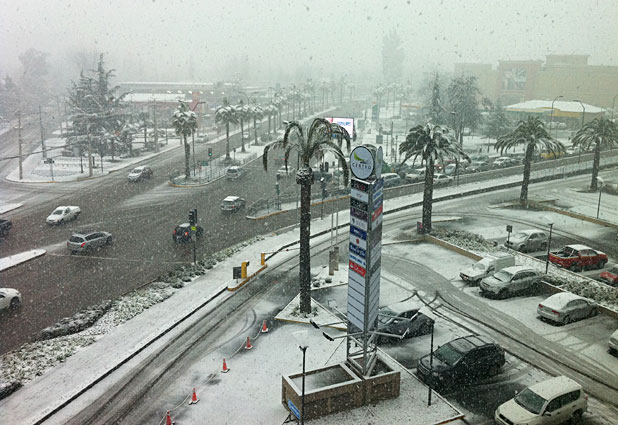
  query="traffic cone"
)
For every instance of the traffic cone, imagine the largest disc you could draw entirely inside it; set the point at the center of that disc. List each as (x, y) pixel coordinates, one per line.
(194, 398)
(168, 419)
(225, 368)
(264, 327)
(248, 345)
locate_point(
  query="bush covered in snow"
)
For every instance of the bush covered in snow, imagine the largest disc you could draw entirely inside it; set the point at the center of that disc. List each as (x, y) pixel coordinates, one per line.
(463, 239)
(80, 321)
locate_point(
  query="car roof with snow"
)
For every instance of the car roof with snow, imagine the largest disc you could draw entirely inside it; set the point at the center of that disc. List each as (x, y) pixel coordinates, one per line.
(578, 247)
(529, 231)
(140, 168)
(517, 269)
(65, 206)
(554, 387)
(231, 199)
(561, 299)
(390, 175)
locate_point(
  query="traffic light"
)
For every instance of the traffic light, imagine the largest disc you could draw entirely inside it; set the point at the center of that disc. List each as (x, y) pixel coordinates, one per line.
(193, 217)
(277, 188)
(278, 176)
(323, 186)
(210, 152)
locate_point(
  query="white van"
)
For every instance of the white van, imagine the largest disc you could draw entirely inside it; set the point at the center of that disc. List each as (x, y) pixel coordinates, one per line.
(486, 267)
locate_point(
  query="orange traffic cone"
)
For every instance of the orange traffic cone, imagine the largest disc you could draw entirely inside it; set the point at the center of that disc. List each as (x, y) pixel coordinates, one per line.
(248, 345)
(264, 327)
(168, 419)
(194, 398)
(225, 368)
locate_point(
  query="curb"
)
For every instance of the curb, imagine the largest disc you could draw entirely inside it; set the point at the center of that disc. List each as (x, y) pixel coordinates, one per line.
(539, 205)
(22, 262)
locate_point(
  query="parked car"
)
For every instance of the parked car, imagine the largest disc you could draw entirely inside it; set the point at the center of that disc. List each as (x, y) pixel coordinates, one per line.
(610, 276)
(440, 179)
(286, 173)
(613, 343)
(63, 214)
(182, 233)
(202, 138)
(510, 281)
(415, 176)
(85, 242)
(391, 179)
(578, 257)
(453, 169)
(527, 241)
(403, 319)
(232, 204)
(566, 307)
(234, 173)
(478, 166)
(461, 361)
(557, 400)
(140, 173)
(486, 267)
(9, 298)
(479, 157)
(5, 226)
(505, 161)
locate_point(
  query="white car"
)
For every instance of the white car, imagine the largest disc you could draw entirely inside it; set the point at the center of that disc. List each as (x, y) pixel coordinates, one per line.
(9, 298)
(440, 179)
(555, 401)
(63, 214)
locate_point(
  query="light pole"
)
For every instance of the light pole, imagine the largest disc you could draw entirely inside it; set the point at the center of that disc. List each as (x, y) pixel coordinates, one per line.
(583, 109)
(613, 105)
(551, 125)
(551, 225)
(600, 180)
(303, 348)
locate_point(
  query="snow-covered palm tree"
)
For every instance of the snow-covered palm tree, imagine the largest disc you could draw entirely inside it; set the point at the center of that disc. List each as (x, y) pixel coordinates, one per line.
(226, 114)
(600, 133)
(256, 113)
(317, 141)
(530, 133)
(243, 114)
(185, 124)
(430, 143)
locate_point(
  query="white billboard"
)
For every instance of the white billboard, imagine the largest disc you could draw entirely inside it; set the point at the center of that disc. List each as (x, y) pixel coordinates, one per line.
(347, 123)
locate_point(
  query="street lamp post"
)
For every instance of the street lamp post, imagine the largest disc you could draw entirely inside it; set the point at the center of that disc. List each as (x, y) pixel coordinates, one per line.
(551, 125)
(613, 105)
(600, 180)
(303, 348)
(551, 225)
(583, 110)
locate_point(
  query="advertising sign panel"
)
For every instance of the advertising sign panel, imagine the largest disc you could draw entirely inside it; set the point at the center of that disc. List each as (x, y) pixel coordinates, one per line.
(360, 185)
(358, 205)
(360, 195)
(361, 243)
(357, 222)
(358, 269)
(358, 251)
(347, 123)
(360, 214)
(361, 162)
(358, 260)
(358, 232)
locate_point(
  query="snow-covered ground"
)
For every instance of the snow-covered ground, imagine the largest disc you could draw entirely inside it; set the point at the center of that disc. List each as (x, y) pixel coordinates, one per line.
(13, 260)
(6, 207)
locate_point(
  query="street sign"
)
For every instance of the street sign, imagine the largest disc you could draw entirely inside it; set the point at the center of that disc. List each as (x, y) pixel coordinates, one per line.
(359, 195)
(360, 214)
(236, 272)
(361, 243)
(293, 409)
(204, 163)
(357, 222)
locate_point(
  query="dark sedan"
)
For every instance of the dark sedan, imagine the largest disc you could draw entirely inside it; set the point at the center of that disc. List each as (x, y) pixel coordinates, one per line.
(404, 320)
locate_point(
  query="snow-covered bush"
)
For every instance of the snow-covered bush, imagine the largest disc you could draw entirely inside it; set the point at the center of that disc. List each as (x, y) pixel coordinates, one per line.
(80, 321)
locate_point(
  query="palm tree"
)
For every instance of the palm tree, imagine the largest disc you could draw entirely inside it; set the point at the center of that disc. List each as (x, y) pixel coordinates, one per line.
(227, 115)
(257, 113)
(430, 142)
(318, 141)
(600, 132)
(532, 134)
(243, 113)
(185, 124)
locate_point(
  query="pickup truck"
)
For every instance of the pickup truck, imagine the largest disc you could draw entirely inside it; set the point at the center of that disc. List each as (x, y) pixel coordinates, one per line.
(578, 257)
(63, 214)
(5, 226)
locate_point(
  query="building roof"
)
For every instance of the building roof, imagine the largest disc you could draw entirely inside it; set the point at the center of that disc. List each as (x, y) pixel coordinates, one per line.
(155, 97)
(561, 108)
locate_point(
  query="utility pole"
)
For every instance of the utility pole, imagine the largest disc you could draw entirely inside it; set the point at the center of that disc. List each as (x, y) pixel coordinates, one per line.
(89, 154)
(42, 134)
(156, 132)
(193, 141)
(21, 171)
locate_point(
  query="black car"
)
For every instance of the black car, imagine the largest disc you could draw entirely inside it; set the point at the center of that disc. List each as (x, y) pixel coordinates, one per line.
(403, 319)
(5, 226)
(182, 233)
(463, 360)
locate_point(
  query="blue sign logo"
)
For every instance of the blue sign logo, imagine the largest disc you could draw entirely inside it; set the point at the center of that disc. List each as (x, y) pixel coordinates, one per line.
(358, 251)
(358, 232)
(293, 409)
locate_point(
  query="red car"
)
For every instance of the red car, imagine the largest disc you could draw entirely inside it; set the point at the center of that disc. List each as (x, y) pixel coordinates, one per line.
(578, 257)
(610, 276)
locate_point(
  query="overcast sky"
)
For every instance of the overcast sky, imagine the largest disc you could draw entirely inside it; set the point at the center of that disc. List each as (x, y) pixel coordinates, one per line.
(161, 39)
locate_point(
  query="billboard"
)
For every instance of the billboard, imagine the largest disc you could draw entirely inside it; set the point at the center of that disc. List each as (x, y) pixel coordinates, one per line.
(347, 123)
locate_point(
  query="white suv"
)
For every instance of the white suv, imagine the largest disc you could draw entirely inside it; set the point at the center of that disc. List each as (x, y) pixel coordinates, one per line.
(554, 401)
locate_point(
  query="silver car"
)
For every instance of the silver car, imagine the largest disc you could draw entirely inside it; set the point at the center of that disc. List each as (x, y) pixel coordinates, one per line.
(566, 307)
(85, 242)
(527, 241)
(510, 281)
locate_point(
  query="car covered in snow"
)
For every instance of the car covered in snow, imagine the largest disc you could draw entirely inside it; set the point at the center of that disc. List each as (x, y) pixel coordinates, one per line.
(140, 173)
(610, 276)
(403, 319)
(9, 298)
(440, 179)
(63, 214)
(510, 281)
(234, 172)
(527, 240)
(566, 307)
(578, 257)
